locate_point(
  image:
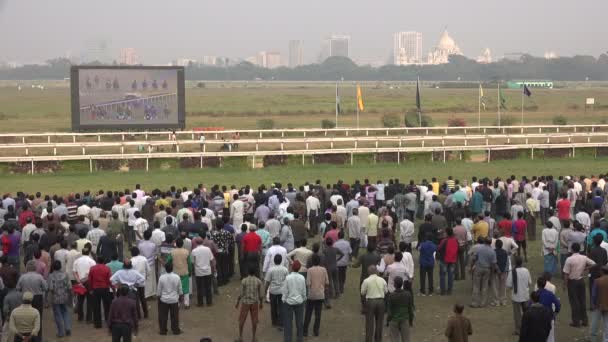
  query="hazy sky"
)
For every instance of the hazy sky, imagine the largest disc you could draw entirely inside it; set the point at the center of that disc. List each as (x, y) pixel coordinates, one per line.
(162, 30)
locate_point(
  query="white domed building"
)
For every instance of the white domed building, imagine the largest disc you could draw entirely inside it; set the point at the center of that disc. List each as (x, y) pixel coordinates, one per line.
(446, 47)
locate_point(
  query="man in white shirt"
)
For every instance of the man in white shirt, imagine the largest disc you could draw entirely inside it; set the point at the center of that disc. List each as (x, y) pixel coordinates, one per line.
(81, 269)
(406, 231)
(341, 214)
(353, 226)
(158, 236)
(140, 264)
(130, 213)
(363, 216)
(83, 210)
(275, 249)
(584, 219)
(204, 268)
(169, 294)
(396, 269)
(313, 212)
(140, 225)
(550, 238)
(237, 211)
(380, 197)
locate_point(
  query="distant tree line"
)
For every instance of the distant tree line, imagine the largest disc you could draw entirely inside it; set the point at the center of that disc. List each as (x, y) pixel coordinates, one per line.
(459, 68)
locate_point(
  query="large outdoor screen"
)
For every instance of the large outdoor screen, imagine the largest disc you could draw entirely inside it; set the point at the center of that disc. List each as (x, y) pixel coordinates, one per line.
(127, 97)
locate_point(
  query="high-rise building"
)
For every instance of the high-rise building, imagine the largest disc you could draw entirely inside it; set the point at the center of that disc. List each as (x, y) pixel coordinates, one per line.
(296, 53)
(128, 56)
(268, 60)
(96, 51)
(210, 60)
(407, 48)
(337, 45)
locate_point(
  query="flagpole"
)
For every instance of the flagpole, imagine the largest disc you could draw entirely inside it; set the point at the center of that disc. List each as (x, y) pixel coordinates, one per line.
(337, 104)
(479, 106)
(522, 105)
(419, 106)
(357, 103)
(499, 99)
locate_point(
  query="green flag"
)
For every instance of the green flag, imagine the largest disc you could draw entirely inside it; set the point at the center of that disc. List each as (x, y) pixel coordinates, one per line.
(502, 100)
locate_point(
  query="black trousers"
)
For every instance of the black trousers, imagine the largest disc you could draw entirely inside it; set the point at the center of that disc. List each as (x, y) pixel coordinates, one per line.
(164, 311)
(101, 297)
(141, 295)
(354, 245)
(223, 268)
(317, 307)
(275, 309)
(204, 289)
(121, 332)
(576, 296)
(341, 277)
(231, 262)
(426, 273)
(38, 304)
(80, 304)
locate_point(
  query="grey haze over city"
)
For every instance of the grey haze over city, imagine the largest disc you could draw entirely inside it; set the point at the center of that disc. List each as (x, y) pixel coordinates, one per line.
(161, 30)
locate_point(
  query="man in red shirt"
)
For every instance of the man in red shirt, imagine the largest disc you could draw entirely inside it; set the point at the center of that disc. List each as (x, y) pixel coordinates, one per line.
(563, 208)
(25, 213)
(99, 283)
(251, 248)
(519, 231)
(447, 255)
(506, 225)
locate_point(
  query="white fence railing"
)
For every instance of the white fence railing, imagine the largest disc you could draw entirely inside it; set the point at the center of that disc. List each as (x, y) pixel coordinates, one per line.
(309, 143)
(303, 132)
(256, 154)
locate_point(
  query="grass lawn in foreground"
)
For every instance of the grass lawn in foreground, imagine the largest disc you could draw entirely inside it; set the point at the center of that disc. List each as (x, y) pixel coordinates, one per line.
(65, 182)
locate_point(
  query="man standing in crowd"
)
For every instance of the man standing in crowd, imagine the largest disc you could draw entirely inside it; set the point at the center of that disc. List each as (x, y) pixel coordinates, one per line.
(353, 225)
(400, 312)
(204, 269)
(574, 272)
(251, 299)
(122, 320)
(317, 281)
(25, 321)
(459, 327)
(374, 289)
(169, 292)
(99, 284)
(294, 297)
(274, 280)
(536, 321)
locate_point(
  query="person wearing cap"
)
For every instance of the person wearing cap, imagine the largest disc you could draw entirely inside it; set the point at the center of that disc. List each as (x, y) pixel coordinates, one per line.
(24, 323)
(294, 297)
(34, 283)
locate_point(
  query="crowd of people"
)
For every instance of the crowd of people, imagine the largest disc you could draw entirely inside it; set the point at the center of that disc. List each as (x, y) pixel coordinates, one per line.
(105, 255)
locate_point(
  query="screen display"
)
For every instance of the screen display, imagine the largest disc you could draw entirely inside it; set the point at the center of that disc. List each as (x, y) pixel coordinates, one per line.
(127, 97)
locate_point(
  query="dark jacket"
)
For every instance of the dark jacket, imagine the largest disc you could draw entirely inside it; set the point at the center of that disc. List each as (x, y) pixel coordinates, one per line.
(535, 324)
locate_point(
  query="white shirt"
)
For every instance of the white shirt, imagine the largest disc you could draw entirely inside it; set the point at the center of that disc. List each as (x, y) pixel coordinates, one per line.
(380, 192)
(201, 258)
(269, 259)
(140, 225)
(523, 285)
(71, 257)
(158, 237)
(584, 219)
(334, 199)
(82, 266)
(169, 288)
(394, 270)
(62, 256)
(406, 231)
(312, 203)
(131, 216)
(83, 210)
(140, 264)
(550, 239)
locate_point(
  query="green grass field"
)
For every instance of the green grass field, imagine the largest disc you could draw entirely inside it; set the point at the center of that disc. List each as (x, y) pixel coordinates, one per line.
(240, 105)
(77, 179)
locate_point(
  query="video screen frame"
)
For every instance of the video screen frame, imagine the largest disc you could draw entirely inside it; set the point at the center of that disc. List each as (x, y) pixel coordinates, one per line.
(75, 101)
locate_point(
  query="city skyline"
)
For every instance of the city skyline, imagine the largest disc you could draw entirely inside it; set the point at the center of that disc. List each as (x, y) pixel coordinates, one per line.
(535, 28)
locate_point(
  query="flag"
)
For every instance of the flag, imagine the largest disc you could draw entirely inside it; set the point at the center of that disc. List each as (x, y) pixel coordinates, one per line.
(418, 104)
(338, 109)
(527, 91)
(359, 99)
(482, 99)
(502, 100)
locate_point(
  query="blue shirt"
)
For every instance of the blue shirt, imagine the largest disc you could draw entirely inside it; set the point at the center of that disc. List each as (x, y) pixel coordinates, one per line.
(427, 248)
(594, 232)
(549, 300)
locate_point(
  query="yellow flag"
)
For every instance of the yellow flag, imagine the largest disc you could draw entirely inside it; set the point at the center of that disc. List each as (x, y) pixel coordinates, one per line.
(360, 99)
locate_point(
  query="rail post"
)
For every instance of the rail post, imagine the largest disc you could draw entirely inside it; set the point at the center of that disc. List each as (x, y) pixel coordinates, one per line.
(32, 166)
(489, 154)
(90, 165)
(147, 164)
